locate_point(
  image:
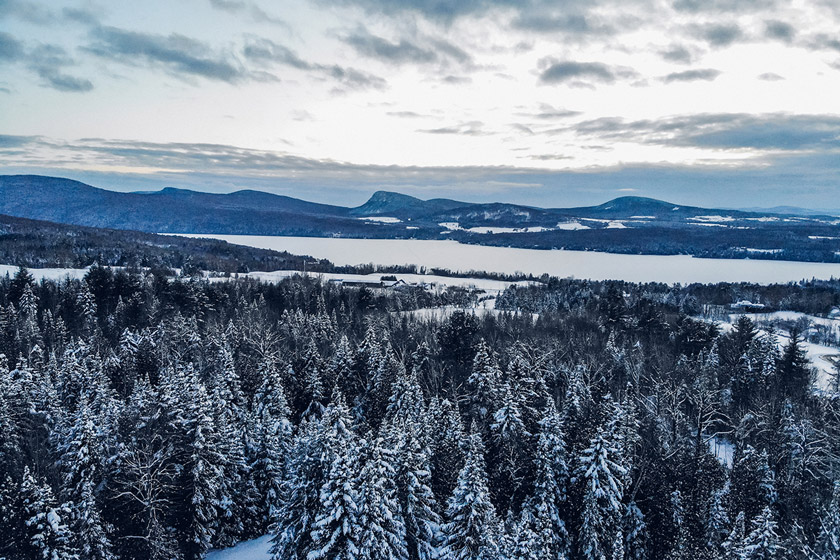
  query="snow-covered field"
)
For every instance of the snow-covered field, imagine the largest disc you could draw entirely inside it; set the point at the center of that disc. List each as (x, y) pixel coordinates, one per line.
(45, 273)
(493, 286)
(256, 549)
(578, 264)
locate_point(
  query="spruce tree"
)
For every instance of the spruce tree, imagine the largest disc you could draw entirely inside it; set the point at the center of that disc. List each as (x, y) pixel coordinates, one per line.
(548, 503)
(336, 528)
(472, 528)
(763, 542)
(600, 475)
(382, 534)
(45, 533)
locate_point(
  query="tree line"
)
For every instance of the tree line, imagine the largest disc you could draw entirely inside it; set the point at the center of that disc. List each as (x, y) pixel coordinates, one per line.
(149, 417)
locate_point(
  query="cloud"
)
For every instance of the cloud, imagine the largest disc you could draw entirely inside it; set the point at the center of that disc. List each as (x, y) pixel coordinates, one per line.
(29, 12)
(719, 34)
(678, 53)
(565, 71)
(256, 13)
(456, 80)
(824, 42)
(180, 55)
(438, 10)
(47, 61)
(723, 6)
(394, 53)
(11, 141)
(775, 29)
(549, 112)
(580, 24)
(727, 131)
(420, 50)
(770, 77)
(265, 51)
(405, 114)
(10, 48)
(83, 16)
(704, 74)
(353, 78)
(471, 128)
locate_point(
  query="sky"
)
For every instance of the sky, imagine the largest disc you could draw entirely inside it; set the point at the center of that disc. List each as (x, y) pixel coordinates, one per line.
(727, 103)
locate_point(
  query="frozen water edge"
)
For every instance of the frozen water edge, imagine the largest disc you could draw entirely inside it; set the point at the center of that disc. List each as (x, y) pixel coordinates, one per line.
(590, 265)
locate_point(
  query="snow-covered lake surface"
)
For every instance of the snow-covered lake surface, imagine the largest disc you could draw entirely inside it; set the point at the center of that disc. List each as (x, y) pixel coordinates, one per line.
(578, 264)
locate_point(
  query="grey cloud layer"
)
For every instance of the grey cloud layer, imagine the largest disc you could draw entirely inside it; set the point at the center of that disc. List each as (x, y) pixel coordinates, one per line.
(179, 54)
(47, 61)
(567, 70)
(266, 51)
(702, 74)
(818, 133)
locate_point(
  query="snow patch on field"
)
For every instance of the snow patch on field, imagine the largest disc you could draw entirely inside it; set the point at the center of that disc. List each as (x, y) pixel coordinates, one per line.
(712, 219)
(257, 549)
(488, 229)
(571, 226)
(488, 285)
(381, 219)
(751, 250)
(46, 273)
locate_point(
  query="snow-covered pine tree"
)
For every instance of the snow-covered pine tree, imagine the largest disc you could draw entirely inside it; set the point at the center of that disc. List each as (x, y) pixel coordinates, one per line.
(336, 529)
(733, 546)
(508, 448)
(234, 496)
(423, 531)
(828, 540)
(382, 534)
(600, 475)
(46, 535)
(341, 368)
(635, 533)
(718, 523)
(753, 481)
(81, 462)
(483, 386)
(272, 442)
(203, 470)
(307, 467)
(547, 504)
(447, 457)
(472, 528)
(763, 542)
(524, 542)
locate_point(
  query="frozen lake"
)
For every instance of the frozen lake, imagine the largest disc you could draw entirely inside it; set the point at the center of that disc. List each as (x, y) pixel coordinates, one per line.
(578, 264)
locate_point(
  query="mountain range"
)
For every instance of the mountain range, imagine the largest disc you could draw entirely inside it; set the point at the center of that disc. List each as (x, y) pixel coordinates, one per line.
(625, 224)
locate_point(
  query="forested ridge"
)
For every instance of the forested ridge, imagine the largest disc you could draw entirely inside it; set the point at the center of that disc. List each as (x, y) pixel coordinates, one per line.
(148, 417)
